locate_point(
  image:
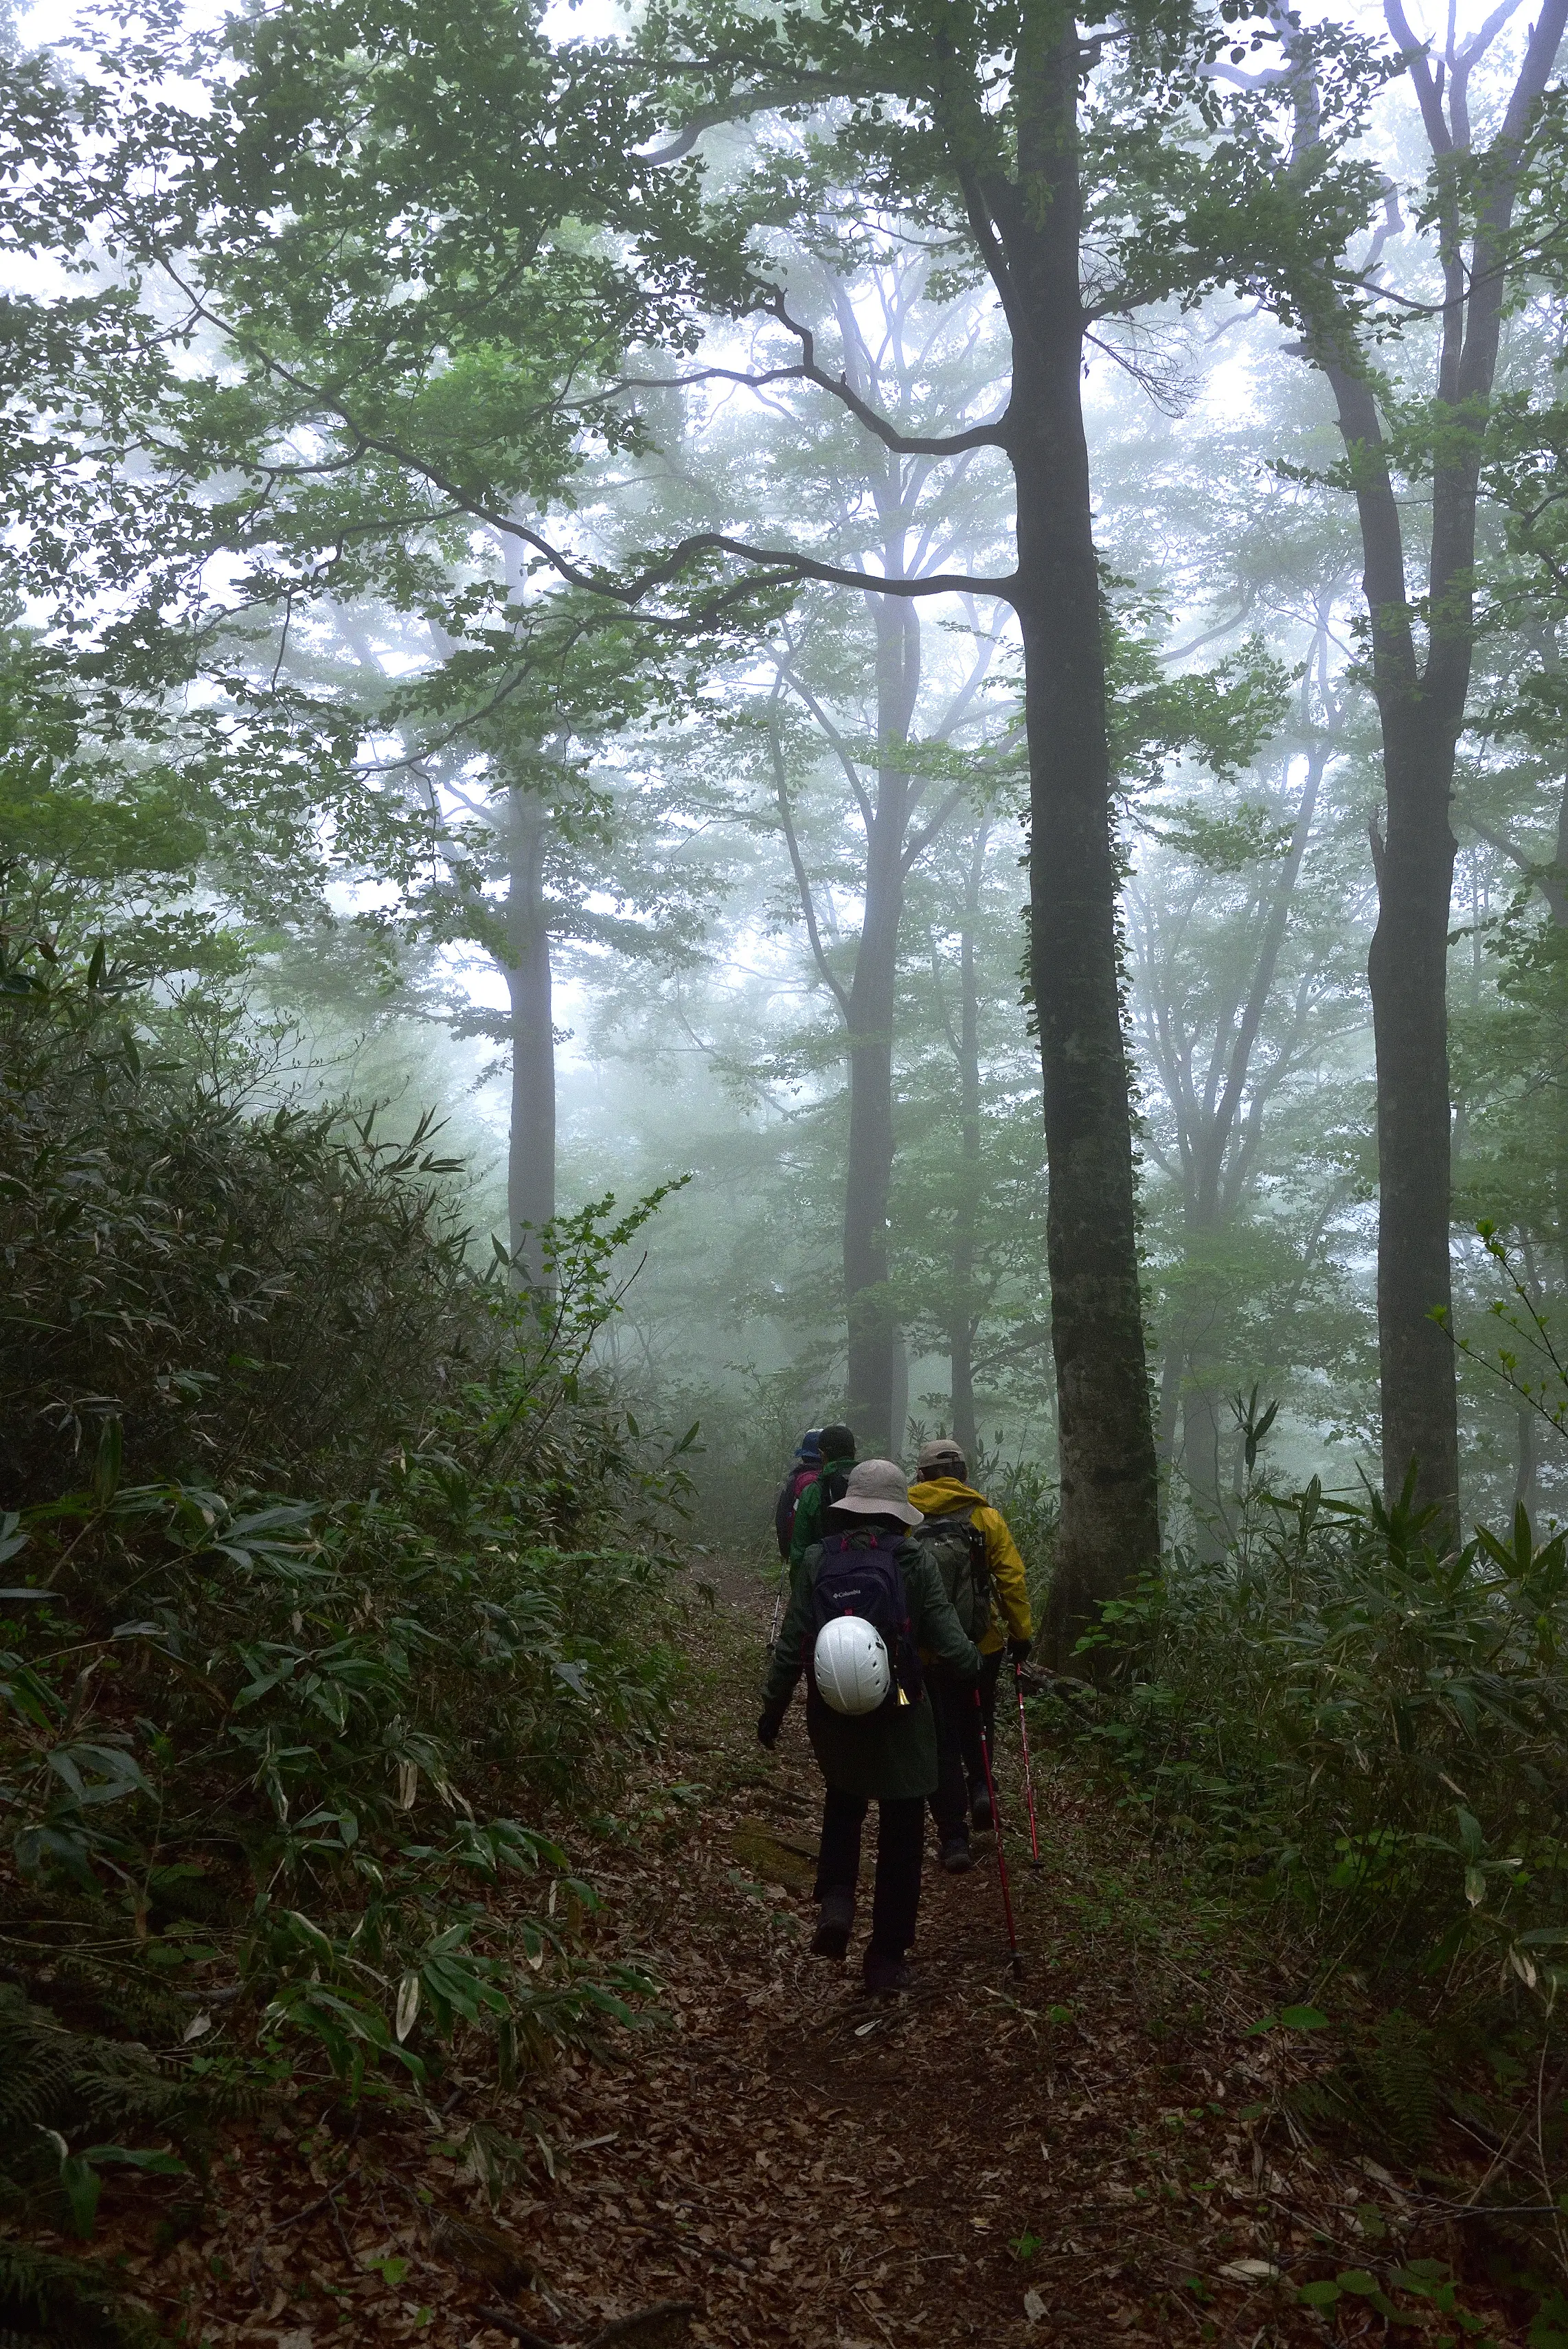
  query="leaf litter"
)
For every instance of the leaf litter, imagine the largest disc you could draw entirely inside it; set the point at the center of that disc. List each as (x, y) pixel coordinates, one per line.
(1095, 2154)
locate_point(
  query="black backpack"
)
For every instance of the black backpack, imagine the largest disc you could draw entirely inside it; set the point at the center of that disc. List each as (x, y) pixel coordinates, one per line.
(956, 1546)
(859, 1574)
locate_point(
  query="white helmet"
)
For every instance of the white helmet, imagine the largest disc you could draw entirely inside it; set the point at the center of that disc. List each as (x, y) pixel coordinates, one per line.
(850, 1665)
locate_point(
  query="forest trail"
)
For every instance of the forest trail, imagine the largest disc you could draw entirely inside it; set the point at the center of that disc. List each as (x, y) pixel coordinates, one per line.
(1091, 2155)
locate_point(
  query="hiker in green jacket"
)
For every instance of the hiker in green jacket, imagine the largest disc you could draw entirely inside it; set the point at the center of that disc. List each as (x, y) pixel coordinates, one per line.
(838, 1449)
(876, 1742)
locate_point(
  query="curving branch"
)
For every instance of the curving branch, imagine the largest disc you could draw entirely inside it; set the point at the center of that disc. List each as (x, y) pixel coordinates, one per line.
(798, 865)
(805, 90)
(991, 435)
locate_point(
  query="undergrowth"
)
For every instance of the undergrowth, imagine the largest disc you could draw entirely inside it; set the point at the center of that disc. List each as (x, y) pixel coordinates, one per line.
(1362, 1729)
(334, 1596)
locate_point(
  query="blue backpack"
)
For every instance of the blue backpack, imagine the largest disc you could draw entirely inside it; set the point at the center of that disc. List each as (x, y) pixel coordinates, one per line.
(861, 1574)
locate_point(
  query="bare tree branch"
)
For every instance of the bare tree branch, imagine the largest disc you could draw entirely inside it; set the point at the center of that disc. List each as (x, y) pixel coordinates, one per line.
(992, 435)
(808, 903)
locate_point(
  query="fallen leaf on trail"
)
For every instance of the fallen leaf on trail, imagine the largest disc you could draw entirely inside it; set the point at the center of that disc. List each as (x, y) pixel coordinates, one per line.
(883, 2135)
(482, 2252)
(663, 2326)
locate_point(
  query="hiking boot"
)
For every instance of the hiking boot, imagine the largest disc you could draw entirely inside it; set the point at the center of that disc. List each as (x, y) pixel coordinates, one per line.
(956, 1857)
(980, 1818)
(885, 1976)
(834, 1918)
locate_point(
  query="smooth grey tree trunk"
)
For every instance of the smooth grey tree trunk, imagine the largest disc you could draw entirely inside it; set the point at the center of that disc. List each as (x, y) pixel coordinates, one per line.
(964, 1306)
(1220, 1155)
(873, 1331)
(530, 1156)
(1422, 712)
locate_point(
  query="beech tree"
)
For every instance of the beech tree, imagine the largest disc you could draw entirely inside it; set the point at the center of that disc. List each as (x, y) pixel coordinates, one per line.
(892, 713)
(423, 245)
(1421, 621)
(976, 119)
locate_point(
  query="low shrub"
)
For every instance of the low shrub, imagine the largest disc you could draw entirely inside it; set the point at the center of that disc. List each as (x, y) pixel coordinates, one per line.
(1371, 1724)
(334, 1574)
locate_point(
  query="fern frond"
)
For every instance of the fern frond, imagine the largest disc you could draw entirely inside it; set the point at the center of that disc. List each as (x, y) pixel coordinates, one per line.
(70, 2304)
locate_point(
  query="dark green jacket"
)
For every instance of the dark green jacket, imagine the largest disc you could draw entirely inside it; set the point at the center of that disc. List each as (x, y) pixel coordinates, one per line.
(890, 1753)
(807, 1528)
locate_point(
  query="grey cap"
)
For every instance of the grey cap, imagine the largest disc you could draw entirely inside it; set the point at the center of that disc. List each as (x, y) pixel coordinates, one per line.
(878, 1488)
(941, 1448)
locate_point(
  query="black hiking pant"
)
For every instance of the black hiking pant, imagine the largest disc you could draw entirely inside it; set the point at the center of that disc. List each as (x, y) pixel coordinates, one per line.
(901, 1833)
(960, 1764)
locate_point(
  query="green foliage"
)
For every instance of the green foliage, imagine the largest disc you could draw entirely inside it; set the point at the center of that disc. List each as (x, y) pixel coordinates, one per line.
(1365, 1723)
(285, 1774)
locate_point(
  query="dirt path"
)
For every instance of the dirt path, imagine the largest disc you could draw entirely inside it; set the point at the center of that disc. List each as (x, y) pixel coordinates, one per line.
(1081, 2158)
(1092, 2156)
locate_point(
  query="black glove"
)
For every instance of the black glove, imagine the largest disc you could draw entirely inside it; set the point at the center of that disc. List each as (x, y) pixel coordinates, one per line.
(1019, 1650)
(768, 1728)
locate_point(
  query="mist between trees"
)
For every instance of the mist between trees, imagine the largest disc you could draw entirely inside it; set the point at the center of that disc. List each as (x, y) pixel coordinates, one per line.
(945, 620)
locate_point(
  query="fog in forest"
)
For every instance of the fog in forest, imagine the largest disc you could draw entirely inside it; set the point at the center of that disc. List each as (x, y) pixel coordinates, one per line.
(719, 720)
(754, 919)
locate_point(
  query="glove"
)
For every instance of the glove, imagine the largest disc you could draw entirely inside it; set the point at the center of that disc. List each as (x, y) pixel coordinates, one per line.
(768, 1728)
(1019, 1650)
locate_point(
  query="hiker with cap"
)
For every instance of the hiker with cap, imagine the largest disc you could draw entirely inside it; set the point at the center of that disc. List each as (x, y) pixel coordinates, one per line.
(983, 1576)
(836, 1445)
(804, 1469)
(863, 1604)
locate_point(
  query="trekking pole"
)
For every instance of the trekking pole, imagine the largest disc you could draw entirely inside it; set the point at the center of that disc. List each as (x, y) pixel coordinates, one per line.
(1001, 1858)
(1028, 1774)
(777, 1603)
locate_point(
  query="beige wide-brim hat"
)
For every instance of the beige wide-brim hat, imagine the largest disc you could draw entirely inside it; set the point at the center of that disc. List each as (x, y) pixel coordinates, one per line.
(878, 1488)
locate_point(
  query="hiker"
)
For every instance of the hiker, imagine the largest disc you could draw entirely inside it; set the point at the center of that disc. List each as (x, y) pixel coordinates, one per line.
(804, 1471)
(837, 1445)
(982, 1574)
(863, 1602)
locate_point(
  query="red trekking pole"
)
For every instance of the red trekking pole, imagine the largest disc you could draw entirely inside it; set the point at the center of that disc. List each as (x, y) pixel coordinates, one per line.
(1028, 1774)
(1001, 1859)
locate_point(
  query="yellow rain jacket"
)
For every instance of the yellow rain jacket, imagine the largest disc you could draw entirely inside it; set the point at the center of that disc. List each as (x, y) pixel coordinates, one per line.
(1010, 1615)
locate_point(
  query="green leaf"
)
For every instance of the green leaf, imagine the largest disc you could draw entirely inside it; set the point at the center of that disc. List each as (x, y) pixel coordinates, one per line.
(106, 1464)
(1322, 2295)
(125, 2157)
(82, 2186)
(1304, 2018)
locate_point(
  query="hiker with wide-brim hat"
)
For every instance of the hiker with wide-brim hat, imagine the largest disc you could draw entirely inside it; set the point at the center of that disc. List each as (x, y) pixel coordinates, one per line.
(864, 1603)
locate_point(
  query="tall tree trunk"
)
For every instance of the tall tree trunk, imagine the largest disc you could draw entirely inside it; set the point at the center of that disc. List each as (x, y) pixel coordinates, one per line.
(1201, 1452)
(962, 1311)
(1420, 717)
(873, 1331)
(1554, 888)
(530, 1155)
(1218, 1160)
(1421, 711)
(1169, 1401)
(900, 1394)
(1408, 971)
(1110, 1530)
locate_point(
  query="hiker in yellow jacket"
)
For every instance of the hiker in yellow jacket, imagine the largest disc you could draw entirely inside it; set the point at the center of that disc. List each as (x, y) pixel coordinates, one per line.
(941, 1490)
